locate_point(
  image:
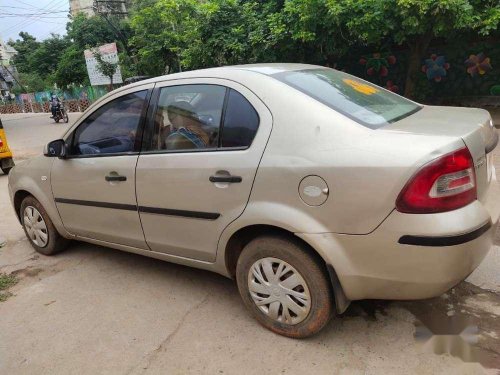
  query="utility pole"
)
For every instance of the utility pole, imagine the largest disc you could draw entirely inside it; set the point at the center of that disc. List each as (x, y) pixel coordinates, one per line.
(104, 9)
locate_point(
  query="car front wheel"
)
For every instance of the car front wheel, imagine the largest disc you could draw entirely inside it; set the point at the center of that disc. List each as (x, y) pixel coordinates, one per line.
(285, 288)
(39, 229)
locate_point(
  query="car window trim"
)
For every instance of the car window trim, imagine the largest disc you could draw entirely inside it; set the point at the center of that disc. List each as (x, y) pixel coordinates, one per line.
(223, 117)
(140, 129)
(194, 150)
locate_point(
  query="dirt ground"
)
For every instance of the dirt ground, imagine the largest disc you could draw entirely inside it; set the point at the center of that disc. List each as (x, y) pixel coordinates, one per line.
(93, 310)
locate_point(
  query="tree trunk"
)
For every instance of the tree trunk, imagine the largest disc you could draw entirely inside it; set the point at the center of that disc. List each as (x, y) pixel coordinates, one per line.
(417, 51)
(110, 83)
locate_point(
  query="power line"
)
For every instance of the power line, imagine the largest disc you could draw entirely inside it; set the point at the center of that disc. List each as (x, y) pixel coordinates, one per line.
(52, 5)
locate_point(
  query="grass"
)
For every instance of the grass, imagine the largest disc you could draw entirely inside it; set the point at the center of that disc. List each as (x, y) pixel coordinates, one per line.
(6, 281)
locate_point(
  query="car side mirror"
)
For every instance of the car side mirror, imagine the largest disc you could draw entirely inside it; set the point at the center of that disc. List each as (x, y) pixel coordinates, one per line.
(56, 148)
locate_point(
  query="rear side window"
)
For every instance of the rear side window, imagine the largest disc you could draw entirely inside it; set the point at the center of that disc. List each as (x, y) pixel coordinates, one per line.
(112, 128)
(240, 121)
(359, 100)
(188, 117)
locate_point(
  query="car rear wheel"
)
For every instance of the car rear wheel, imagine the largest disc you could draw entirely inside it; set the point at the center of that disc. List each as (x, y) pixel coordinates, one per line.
(285, 288)
(39, 229)
(6, 165)
(6, 170)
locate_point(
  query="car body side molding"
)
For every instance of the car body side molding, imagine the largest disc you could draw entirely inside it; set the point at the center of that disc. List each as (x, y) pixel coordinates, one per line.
(143, 209)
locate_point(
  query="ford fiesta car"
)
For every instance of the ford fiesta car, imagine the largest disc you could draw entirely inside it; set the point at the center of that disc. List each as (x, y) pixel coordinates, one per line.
(310, 187)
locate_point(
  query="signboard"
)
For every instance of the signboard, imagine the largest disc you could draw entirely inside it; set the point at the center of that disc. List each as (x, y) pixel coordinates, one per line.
(108, 53)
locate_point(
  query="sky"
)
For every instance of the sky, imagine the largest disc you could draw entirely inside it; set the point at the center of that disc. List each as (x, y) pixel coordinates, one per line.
(37, 17)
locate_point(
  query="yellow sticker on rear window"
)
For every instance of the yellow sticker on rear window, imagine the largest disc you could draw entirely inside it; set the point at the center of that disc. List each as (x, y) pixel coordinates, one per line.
(360, 87)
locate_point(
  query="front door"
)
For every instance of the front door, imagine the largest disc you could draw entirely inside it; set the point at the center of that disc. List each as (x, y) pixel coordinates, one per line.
(94, 187)
(195, 176)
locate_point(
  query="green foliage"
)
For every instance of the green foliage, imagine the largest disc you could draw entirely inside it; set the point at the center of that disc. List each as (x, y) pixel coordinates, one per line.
(161, 33)
(166, 36)
(71, 68)
(228, 32)
(6, 281)
(105, 67)
(88, 32)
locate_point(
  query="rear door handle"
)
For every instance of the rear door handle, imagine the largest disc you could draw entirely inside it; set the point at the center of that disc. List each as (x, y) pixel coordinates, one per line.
(114, 177)
(230, 179)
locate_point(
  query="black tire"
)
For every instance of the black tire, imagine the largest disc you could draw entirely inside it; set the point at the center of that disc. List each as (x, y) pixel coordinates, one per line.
(310, 269)
(66, 117)
(57, 120)
(6, 170)
(55, 243)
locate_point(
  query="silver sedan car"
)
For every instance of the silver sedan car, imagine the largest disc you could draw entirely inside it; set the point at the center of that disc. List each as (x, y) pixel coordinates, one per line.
(310, 187)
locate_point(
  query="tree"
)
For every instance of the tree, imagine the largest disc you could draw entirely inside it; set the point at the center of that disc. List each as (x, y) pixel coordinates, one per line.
(24, 48)
(161, 32)
(71, 68)
(37, 61)
(106, 68)
(415, 23)
(229, 32)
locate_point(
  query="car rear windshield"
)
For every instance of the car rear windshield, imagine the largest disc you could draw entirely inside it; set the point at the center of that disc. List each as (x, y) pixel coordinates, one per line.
(367, 104)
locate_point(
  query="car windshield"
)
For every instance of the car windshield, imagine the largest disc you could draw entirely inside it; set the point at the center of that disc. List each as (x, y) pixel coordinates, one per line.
(367, 104)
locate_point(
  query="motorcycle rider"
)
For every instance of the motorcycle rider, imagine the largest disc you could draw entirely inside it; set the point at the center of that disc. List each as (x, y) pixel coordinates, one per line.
(55, 104)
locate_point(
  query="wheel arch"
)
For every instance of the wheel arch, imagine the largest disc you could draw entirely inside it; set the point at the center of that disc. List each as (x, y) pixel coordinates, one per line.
(244, 235)
(19, 196)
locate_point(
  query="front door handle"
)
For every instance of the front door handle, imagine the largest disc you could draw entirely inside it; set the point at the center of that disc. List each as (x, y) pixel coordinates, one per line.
(115, 177)
(230, 179)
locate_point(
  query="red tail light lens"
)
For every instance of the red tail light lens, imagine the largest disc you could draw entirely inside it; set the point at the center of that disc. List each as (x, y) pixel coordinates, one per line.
(1, 143)
(444, 184)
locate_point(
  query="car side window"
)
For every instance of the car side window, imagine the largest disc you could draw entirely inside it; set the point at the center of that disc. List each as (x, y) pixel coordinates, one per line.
(188, 117)
(240, 121)
(112, 128)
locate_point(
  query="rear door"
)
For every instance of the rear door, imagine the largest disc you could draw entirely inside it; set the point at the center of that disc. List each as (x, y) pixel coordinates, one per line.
(94, 187)
(188, 192)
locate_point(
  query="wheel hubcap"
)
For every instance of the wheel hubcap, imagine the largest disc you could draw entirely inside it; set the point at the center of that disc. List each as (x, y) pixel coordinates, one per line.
(279, 290)
(35, 226)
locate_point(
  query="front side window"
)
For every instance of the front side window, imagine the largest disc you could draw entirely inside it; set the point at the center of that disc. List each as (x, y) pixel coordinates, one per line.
(188, 117)
(365, 103)
(112, 128)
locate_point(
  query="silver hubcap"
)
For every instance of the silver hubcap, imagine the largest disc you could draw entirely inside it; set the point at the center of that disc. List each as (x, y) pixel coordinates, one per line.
(35, 226)
(279, 290)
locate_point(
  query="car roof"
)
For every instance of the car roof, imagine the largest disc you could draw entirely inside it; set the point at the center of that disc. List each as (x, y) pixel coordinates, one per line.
(218, 72)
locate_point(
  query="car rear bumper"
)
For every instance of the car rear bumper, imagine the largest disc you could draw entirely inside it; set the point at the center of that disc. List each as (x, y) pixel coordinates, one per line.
(412, 256)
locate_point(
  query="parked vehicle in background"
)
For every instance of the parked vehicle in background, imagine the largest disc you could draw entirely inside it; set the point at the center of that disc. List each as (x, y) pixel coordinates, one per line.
(134, 79)
(6, 161)
(309, 186)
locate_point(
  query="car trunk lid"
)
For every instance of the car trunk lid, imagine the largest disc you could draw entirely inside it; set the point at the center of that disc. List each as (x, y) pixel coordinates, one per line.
(472, 125)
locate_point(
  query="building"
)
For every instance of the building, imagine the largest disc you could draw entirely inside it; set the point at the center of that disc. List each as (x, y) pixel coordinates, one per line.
(89, 7)
(78, 6)
(7, 70)
(6, 53)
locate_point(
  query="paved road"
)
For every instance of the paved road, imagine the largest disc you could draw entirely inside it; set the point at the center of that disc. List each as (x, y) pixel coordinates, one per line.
(97, 310)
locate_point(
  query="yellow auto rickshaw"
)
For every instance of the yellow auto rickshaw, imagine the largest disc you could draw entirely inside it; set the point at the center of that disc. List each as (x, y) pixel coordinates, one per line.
(6, 162)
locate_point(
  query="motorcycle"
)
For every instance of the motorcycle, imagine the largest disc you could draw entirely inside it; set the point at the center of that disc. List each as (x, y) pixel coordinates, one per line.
(61, 114)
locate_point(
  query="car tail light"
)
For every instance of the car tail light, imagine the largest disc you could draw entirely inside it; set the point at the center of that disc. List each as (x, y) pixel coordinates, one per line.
(1, 142)
(444, 184)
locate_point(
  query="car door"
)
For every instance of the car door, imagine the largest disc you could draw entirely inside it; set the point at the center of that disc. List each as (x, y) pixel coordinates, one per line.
(94, 185)
(195, 173)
